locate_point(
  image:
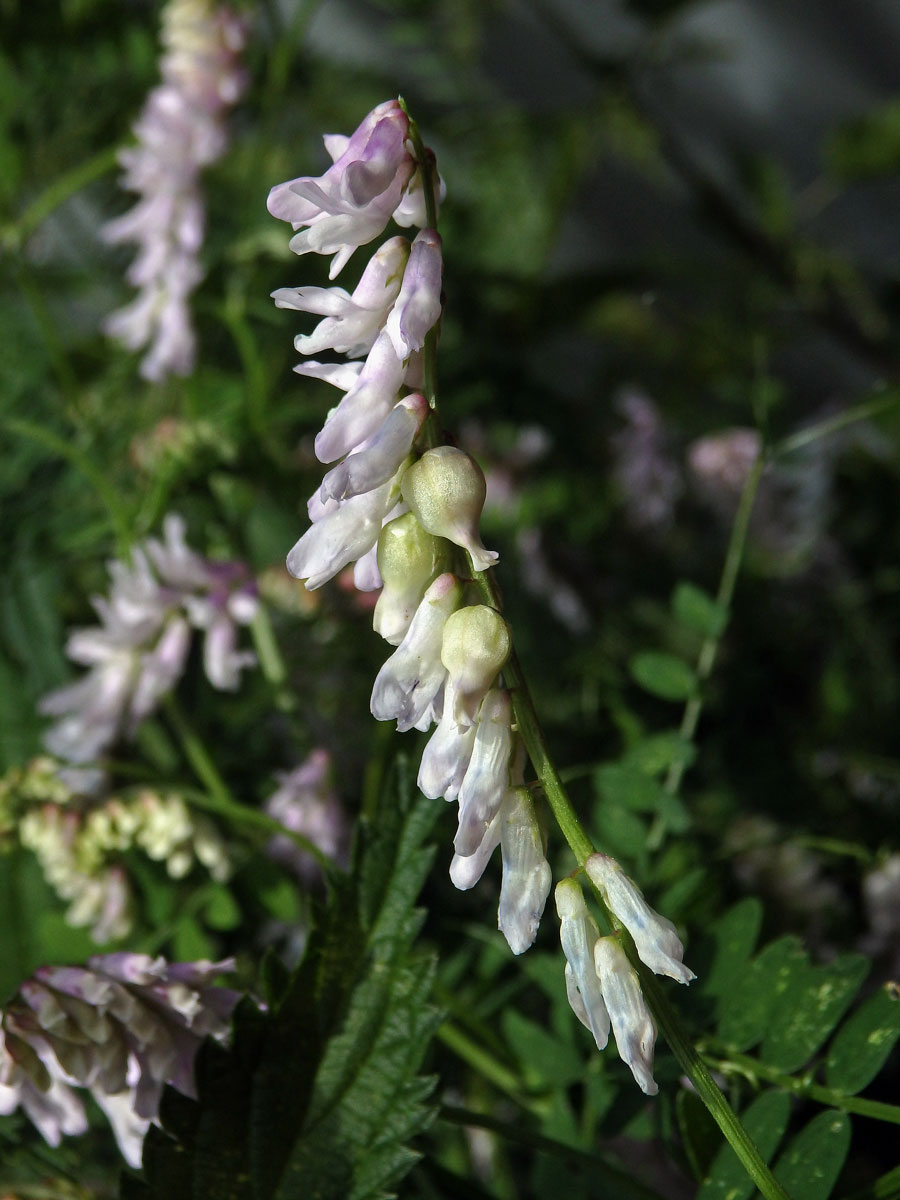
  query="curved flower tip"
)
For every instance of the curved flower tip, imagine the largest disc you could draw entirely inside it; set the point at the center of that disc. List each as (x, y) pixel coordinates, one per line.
(632, 1024)
(655, 937)
(526, 873)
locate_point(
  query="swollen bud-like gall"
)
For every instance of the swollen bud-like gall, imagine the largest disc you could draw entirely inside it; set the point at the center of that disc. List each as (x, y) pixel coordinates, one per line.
(475, 646)
(446, 490)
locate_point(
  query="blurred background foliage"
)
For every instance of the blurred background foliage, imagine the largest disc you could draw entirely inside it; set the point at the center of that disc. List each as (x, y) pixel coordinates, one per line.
(668, 224)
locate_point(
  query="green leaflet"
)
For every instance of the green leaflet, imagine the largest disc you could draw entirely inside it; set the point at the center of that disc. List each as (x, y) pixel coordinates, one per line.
(353, 1021)
(863, 1043)
(810, 1165)
(765, 1119)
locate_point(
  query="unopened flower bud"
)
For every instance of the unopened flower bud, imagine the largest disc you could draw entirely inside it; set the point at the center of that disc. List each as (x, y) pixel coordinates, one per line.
(446, 490)
(578, 933)
(526, 872)
(631, 1021)
(476, 644)
(655, 938)
(409, 559)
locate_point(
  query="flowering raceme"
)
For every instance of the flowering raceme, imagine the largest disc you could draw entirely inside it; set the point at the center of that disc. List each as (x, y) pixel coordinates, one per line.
(179, 132)
(397, 508)
(403, 508)
(121, 1028)
(139, 651)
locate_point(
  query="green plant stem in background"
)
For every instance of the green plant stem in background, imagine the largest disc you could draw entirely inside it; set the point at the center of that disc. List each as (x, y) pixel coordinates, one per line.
(707, 657)
(626, 1187)
(865, 411)
(566, 817)
(14, 235)
(887, 1187)
(488, 1067)
(196, 753)
(801, 1085)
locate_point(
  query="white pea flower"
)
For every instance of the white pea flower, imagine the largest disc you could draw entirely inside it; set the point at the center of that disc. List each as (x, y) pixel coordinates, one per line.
(411, 679)
(578, 934)
(655, 938)
(526, 872)
(467, 869)
(409, 560)
(380, 456)
(486, 781)
(446, 757)
(342, 534)
(352, 322)
(632, 1024)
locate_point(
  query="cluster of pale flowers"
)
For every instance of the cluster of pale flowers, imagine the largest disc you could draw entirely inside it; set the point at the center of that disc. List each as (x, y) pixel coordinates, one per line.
(395, 511)
(120, 1028)
(79, 841)
(138, 652)
(180, 131)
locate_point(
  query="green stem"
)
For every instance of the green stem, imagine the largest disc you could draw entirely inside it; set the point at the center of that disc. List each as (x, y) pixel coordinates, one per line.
(16, 234)
(709, 649)
(487, 1066)
(271, 663)
(887, 1187)
(196, 753)
(822, 429)
(752, 1068)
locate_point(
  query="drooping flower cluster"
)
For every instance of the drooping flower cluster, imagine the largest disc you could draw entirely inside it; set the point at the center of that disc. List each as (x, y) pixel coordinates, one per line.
(180, 131)
(79, 841)
(138, 652)
(122, 1027)
(305, 802)
(602, 986)
(397, 512)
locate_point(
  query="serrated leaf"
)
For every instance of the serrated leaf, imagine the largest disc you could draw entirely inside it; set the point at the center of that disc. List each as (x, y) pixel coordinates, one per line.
(809, 1009)
(765, 1119)
(863, 1042)
(810, 1165)
(663, 675)
(698, 610)
(747, 1010)
(320, 1097)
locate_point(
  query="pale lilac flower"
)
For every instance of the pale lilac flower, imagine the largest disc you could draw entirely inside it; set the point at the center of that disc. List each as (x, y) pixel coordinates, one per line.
(342, 534)
(139, 651)
(418, 305)
(578, 934)
(643, 467)
(467, 869)
(632, 1024)
(122, 1027)
(365, 404)
(352, 322)
(307, 803)
(353, 201)
(381, 455)
(655, 937)
(445, 758)
(411, 679)
(180, 131)
(526, 872)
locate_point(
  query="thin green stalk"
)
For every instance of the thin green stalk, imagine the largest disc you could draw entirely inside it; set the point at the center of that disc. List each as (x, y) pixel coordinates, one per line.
(532, 735)
(197, 754)
(68, 184)
(800, 1085)
(887, 1187)
(822, 429)
(707, 657)
(624, 1183)
(271, 663)
(487, 1066)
